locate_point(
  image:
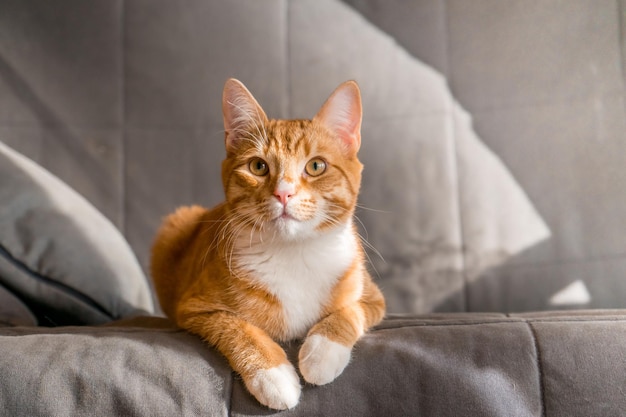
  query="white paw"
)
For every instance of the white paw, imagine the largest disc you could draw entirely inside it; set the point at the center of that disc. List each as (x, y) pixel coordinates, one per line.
(278, 387)
(322, 360)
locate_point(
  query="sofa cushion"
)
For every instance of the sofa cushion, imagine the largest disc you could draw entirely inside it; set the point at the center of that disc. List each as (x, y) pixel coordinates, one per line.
(59, 254)
(565, 364)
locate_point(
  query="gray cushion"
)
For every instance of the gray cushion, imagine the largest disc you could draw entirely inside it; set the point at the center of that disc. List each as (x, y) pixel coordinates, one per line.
(59, 254)
(13, 312)
(563, 364)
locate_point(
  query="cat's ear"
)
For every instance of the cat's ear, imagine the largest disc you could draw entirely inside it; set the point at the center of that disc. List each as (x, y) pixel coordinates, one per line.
(241, 112)
(341, 113)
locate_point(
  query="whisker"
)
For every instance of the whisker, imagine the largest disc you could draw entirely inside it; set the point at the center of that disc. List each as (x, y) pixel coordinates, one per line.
(372, 263)
(363, 239)
(372, 248)
(362, 225)
(371, 209)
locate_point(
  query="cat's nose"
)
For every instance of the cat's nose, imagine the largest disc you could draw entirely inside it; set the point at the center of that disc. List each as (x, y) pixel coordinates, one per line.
(284, 191)
(283, 196)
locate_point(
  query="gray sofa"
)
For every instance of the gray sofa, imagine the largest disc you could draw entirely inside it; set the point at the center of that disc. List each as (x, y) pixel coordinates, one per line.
(493, 194)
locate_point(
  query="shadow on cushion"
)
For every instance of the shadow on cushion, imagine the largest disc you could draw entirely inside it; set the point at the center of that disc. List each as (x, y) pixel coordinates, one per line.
(59, 254)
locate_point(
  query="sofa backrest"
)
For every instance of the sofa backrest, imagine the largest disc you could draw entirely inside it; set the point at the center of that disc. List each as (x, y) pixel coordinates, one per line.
(486, 186)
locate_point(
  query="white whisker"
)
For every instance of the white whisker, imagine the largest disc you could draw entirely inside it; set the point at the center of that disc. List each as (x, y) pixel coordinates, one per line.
(371, 209)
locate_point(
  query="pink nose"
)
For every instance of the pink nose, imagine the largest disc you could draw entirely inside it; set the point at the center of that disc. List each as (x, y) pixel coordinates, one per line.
(284, 191)
(283, 195)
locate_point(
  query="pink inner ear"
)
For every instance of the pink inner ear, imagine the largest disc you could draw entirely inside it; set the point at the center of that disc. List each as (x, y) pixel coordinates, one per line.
(240, 110)
(342, 115)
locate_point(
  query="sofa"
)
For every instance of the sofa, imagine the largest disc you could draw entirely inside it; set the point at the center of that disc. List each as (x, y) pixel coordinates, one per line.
(492, 198)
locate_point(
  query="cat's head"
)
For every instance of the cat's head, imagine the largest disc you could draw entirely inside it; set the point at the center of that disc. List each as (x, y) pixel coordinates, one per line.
(291, 179)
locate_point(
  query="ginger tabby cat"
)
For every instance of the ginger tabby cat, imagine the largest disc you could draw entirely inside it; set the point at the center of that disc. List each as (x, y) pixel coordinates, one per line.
(280, 259)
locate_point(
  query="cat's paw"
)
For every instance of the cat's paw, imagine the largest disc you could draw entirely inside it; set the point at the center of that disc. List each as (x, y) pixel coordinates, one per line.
(321, 360)
(278, 387)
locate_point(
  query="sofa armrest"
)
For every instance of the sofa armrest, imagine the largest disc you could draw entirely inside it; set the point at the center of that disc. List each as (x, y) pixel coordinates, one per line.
(439, 365)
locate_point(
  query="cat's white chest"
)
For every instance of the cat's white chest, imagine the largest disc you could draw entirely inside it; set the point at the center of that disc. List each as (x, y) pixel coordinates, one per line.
(302, 275)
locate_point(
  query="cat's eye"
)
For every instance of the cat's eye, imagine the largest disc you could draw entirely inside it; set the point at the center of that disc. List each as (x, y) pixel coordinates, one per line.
(315, 167)
(258, 167)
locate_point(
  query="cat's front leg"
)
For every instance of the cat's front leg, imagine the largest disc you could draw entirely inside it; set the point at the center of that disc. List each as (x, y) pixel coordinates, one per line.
(327, 348)
(260, 361)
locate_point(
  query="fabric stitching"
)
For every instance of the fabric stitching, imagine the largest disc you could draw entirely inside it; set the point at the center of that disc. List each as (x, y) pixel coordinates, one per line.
(542, 390)
(592, 319)
(232, 393)
(23, 331)
(138, 329)
(287, 109)
(457, 176)
(622, 33)
(67, 290)
(123, 105)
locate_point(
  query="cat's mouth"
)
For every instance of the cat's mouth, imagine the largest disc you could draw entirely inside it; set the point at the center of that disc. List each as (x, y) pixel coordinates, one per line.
(282, 213)
(293, 213)
(291, 216)
(284, 216)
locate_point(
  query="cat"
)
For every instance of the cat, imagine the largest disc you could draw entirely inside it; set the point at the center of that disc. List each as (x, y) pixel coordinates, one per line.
(280, 259)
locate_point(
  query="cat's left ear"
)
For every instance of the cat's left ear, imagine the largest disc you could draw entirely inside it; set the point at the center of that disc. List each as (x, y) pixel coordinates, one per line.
(342, 113)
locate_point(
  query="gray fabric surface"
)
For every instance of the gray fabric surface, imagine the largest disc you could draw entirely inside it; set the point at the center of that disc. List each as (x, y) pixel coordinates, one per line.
(582, 372)
(520, 119)
(545, 84)
(110, 372)
(144, 134)
(564, 364)
(13, 312)
(440, 201)
(59, 254)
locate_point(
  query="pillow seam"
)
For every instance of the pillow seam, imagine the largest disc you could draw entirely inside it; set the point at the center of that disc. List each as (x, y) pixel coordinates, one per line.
(71, 292)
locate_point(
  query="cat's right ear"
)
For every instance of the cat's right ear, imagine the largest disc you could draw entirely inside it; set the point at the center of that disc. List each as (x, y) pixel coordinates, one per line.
(242, 113)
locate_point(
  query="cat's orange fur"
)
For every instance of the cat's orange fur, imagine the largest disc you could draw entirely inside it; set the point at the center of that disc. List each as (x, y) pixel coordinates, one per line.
(280, 258)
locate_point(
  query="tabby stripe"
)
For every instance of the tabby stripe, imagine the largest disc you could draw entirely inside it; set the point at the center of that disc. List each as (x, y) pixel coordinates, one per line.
(353, 192)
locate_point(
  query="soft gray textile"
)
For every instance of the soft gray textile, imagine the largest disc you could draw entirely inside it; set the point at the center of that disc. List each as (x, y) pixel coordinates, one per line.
(545, 85)
(437, 202)
(60, 254)
(565, 364)
(142, 133)
(13, 312)
(520, 118)
(110, 372)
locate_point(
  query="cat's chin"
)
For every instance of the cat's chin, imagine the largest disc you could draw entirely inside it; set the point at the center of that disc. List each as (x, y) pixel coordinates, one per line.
(291, 229)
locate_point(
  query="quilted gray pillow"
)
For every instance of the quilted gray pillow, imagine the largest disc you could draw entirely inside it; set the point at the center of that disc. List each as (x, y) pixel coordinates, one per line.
(59, 254)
